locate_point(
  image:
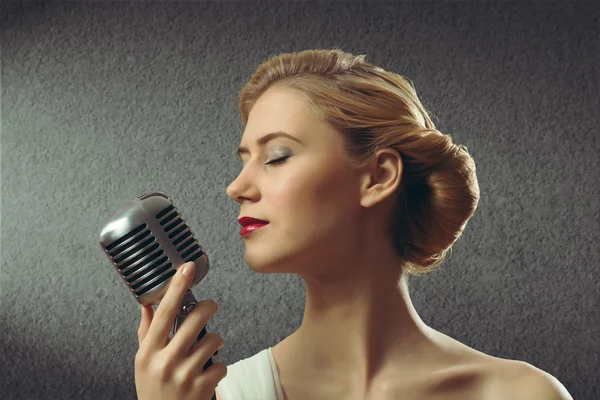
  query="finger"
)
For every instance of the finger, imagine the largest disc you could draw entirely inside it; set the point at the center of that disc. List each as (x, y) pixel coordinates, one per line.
(209, 379)
(162, 323)
(147, 314)
(193, 323)
(205, 349)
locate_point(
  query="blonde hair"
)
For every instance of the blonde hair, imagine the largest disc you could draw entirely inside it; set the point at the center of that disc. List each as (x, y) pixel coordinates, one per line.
(376, 109)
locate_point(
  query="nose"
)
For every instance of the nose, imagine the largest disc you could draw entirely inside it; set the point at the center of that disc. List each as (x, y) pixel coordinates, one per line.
(241, 189)
(233, 190)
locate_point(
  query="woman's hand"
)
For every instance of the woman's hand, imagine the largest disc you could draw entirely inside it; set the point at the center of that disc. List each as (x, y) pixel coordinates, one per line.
(173, 368)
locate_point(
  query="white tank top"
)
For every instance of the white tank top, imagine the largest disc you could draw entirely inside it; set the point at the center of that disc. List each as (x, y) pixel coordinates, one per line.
(254, 378)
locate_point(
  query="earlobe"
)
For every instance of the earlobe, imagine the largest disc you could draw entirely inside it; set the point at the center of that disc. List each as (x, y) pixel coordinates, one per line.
(381, 178)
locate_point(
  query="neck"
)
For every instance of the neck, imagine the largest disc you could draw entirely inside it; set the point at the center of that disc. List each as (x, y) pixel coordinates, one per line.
(360, 326)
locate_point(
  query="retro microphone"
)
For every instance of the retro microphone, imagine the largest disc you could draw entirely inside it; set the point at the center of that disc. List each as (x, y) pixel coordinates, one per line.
(147, 241)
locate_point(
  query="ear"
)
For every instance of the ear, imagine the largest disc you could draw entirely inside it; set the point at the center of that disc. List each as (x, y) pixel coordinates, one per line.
(381, 177)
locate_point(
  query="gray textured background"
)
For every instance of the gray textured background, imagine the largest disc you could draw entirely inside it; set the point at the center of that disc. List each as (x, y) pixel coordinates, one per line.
(103, 102)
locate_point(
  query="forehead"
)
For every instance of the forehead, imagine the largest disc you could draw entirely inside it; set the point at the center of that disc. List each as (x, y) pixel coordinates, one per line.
(288, 110)
(279, 109)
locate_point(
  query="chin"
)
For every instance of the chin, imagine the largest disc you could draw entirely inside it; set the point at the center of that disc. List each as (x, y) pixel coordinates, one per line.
(265, 260)
(263, 263)
(283, 253)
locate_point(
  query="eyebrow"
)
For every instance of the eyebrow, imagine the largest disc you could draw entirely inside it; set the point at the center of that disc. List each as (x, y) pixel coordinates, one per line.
(263, 140)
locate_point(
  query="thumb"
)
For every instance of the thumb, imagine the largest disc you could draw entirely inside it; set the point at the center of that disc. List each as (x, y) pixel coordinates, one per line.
(147, 315)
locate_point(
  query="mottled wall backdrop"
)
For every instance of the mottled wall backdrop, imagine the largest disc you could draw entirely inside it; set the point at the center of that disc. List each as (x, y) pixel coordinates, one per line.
(103, 102)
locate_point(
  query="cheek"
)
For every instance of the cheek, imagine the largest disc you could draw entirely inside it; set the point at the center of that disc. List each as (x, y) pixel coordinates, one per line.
(313, 202)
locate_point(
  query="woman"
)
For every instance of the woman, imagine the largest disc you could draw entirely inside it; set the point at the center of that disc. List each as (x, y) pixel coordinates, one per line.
(355, 190)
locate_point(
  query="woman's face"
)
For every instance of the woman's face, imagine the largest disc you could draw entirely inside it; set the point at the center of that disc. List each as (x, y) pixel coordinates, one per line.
(311, 199)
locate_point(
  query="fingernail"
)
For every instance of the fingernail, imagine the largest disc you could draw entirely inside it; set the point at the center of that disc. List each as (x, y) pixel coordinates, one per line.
(188, 269)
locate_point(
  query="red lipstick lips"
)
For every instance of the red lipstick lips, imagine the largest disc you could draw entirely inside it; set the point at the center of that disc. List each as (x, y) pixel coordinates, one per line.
(250, 224)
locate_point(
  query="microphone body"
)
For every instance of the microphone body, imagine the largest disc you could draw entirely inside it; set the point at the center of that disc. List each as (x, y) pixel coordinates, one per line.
(147, 241)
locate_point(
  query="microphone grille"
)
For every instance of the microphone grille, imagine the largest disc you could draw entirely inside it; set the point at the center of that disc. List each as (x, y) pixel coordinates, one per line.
(146, 241)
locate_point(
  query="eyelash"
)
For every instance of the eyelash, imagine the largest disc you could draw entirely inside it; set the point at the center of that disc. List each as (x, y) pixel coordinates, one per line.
(278, 160)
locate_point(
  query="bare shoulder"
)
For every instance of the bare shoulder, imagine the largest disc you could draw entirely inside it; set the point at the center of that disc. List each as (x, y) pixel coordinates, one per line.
(519, 380)
(494, 378)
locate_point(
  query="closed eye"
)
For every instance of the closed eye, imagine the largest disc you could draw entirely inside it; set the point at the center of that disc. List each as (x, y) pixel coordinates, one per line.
(278, 160)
